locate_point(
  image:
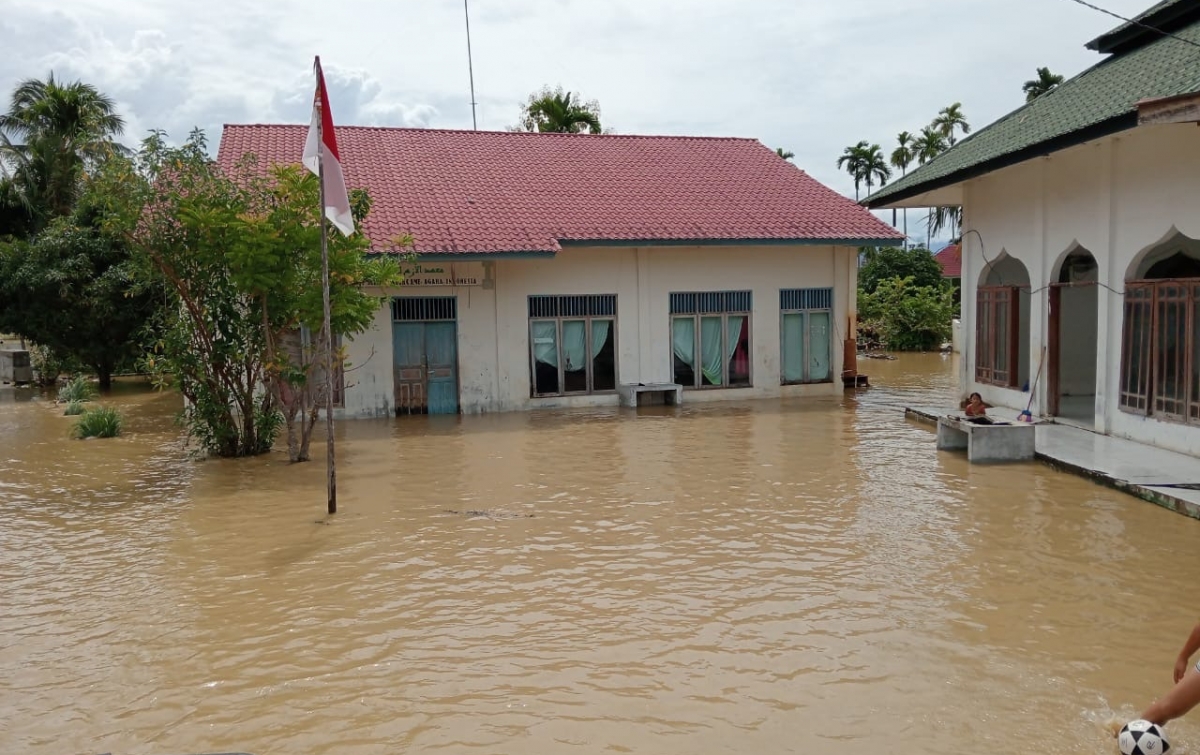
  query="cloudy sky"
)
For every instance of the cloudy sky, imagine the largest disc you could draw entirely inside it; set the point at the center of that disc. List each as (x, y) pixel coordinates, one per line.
(810, 75)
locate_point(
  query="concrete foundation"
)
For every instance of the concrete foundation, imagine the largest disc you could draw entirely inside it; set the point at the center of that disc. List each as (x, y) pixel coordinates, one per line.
(983, 443)
(638, 394)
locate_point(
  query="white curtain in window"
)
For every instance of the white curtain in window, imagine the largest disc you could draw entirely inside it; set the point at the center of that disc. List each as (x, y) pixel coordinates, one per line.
(819, 346)
(712, 356)
(574, 345)
(793, 347)
(599, 335)
(545, 350)
(683, 340)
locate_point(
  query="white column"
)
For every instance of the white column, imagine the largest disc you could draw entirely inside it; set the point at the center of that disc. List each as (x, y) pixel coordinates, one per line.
(1109, 305)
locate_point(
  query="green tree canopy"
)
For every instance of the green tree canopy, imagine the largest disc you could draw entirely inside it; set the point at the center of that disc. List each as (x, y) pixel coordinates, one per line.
(239, 257)
(1045, 82)
(558, 111)
(907, 316)
(892, 262)
(72, 289)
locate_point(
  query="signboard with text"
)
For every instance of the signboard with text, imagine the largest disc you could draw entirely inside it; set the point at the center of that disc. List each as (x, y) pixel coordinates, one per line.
(426, 274)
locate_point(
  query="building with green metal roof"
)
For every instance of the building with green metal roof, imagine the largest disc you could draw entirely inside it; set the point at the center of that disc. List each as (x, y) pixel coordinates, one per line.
(1080, 259)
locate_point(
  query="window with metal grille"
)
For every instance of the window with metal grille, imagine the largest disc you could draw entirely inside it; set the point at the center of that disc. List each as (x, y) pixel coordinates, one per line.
(586, 305)
(710, 338)
(572, 343)
(805, 343)
(997, 335)
(424, 308)
(710, 301)
(1160, 355)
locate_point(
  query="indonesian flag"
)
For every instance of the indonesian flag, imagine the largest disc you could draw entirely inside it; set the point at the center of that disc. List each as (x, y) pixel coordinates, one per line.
(321, 157)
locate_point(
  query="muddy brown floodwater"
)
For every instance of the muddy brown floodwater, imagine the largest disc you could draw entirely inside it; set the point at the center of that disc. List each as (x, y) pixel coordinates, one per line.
(766, 577)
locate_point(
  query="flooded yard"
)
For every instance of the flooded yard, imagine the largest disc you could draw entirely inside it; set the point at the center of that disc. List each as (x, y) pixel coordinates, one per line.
(763, 577)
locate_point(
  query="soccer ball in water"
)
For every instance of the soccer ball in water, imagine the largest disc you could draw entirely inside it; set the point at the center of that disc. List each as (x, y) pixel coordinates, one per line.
(1142, 738)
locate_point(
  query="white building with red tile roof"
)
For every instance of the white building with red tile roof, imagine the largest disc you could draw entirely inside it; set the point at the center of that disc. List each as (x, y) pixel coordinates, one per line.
(553, 269)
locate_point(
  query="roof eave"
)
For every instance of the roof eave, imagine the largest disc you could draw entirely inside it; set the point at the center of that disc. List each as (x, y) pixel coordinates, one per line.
(1116, 124)
(864, 241)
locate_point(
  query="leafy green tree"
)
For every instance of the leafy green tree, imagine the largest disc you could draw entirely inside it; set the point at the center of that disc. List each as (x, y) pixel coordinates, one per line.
(906, 316)
(785, 154)
(51, 133)
(1044, 83)
(558, 111)
(892, 262)
(239, 257)
(72, 289)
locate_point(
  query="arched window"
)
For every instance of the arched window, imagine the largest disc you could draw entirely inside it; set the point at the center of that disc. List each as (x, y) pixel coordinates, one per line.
(1002, 323)
(1160, 332)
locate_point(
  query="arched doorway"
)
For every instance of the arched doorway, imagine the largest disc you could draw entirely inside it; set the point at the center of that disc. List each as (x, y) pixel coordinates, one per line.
(1160, 332)
(1002, 324)
(1072, 338)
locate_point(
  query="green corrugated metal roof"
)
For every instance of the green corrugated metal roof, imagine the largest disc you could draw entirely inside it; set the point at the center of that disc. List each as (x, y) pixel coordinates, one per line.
(1140, 21)
(1098, 101)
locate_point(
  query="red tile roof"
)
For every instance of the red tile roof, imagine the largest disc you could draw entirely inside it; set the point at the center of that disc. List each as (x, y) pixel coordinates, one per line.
(470, 192)
(950, 259)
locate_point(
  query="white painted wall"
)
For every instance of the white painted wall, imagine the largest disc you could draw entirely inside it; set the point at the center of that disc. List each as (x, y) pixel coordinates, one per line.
(1117, 197)
(493, 325)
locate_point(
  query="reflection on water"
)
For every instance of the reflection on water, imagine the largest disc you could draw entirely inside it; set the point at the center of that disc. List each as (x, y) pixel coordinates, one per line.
(767, 577)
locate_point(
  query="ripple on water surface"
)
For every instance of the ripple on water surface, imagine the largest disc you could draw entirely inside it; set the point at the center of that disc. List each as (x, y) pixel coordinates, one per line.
(749, 577)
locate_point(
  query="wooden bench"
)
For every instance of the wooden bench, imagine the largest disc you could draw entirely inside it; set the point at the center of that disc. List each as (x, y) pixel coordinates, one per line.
(1001, 441)
(650, 394)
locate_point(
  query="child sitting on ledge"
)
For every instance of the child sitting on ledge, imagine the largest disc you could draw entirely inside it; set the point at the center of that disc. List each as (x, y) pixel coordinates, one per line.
(975, 407)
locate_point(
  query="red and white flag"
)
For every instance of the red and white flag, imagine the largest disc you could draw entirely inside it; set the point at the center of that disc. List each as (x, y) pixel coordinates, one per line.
(321, 157)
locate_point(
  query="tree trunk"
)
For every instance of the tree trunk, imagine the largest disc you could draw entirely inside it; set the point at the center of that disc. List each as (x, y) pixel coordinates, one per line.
(104, 372)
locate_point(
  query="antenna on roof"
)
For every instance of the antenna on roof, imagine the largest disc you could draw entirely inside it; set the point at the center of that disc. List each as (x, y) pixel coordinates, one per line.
(470, 69)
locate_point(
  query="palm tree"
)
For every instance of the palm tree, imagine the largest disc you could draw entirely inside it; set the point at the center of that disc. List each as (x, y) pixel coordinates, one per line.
(853, 159)
(1044, 83)
(950, 119)
(902, 157)
(785, 154)
(931, 143)
(875, 166)
(556, 111)
(50, 135)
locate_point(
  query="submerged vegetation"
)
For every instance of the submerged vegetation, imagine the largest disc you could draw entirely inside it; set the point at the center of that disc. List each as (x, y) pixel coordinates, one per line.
(101, 422)
(77, 389)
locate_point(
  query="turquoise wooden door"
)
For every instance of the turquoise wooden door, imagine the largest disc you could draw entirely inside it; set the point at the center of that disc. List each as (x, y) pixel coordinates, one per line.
(441, 361)
(425, 367)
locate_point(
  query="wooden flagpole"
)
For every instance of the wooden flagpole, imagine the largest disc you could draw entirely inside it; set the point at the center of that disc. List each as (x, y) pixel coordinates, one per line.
(331, 472)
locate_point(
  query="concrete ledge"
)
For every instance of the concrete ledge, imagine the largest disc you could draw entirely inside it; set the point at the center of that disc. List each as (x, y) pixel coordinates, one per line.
(650, 394)
(1000, 442)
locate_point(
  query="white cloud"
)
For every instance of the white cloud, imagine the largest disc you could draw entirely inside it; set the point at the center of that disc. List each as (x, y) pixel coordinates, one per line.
(809, 75)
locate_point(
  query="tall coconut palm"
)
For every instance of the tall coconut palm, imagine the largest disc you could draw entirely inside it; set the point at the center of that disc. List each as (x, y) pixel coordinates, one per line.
(931, 143)
(52, 132)
(784, 153)
(1045, 82)
(902, 157)
(875, 166)
(557, 111)
(853, 160)
(950, 119)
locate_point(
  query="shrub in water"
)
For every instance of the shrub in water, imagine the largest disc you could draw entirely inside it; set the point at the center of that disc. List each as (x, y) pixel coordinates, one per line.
(102, 422)
(79, 389)
(74, 408)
